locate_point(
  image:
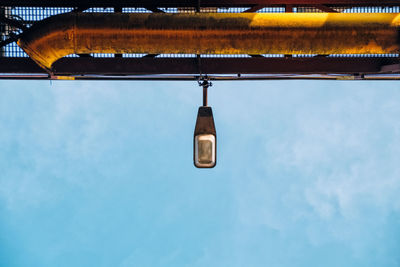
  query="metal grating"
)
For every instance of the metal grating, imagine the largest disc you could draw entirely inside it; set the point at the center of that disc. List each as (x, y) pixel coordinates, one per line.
(272, 10)
(29, 15)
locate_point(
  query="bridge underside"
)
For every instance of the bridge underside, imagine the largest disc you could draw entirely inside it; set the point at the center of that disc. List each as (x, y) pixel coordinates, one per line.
(16, 16)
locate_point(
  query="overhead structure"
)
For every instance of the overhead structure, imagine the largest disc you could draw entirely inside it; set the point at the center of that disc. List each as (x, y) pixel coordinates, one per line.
(211, 33)
(241, 39)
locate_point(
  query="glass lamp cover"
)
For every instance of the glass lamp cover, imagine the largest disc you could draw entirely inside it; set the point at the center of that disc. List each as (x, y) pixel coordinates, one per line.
(204, 149)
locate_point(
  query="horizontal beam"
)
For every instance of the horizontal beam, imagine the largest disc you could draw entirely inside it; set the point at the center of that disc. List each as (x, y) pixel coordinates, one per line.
(344, 77)
(256, 65)
(153, 66)
(19, 65)
(193, 3)
(211, 33)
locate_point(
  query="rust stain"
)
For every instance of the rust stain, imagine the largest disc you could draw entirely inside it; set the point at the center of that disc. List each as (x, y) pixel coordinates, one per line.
(290, 33)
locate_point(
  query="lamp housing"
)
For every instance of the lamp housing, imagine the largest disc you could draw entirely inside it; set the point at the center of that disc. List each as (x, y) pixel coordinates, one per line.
(205, 139)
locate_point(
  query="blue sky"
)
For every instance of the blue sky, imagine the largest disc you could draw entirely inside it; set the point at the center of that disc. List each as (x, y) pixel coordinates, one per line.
(101, 174)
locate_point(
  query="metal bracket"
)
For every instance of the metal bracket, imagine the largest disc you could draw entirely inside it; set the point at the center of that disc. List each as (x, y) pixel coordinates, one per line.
(204, 81)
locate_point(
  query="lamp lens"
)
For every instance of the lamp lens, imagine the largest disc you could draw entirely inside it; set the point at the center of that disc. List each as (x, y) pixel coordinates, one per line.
(205, 150)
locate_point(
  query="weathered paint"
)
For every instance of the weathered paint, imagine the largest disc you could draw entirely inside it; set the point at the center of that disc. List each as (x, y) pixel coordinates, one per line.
(211, 33)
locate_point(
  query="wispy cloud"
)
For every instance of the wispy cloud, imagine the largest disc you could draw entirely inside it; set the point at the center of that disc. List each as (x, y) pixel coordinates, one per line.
(330, 167)
(307, 173)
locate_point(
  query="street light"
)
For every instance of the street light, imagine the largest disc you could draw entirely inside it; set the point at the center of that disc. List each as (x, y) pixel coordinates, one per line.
(205, 136)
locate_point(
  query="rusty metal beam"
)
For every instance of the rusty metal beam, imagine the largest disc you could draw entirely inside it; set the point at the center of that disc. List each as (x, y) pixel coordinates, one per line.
(118, 10)
(152, 66)
(210, 33)
(193, 3)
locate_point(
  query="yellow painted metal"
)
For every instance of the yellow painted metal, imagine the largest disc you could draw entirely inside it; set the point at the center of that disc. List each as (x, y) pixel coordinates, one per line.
(211, 33)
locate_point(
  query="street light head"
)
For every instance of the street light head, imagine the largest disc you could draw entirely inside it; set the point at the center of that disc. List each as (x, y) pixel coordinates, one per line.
(204, 150)
(205, 139)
